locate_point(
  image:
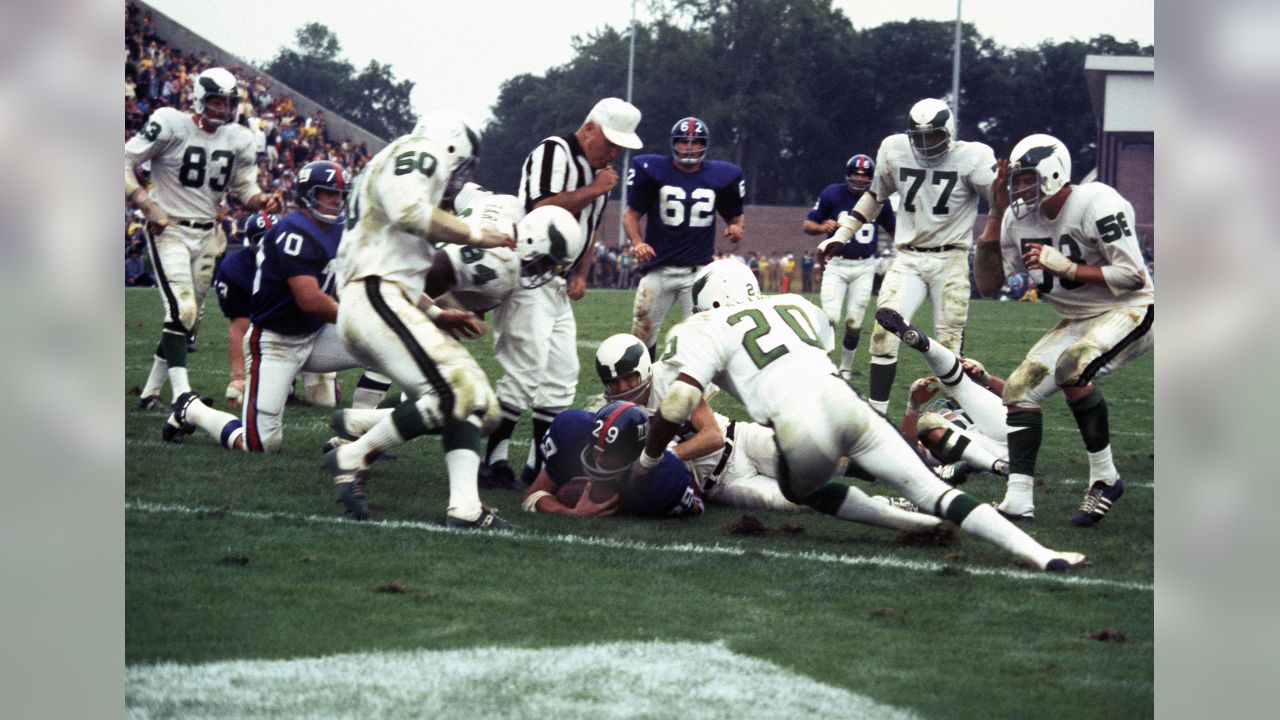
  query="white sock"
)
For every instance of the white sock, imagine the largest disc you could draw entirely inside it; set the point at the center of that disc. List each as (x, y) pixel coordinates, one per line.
(499, 453)
(979, 457)
(207, 419)
(464, 496)
(986, 523)
(366, 398)
(846, 359)
(1102, 467)
(860, 508)
(358, 422)
(1018, 495)
(880, 406)
(320, 389)
(381, 437)
(155, 380)
(178, 381)
(941, 360)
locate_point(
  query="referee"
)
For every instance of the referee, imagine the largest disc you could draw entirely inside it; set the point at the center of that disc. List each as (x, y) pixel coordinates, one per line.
(573, 172)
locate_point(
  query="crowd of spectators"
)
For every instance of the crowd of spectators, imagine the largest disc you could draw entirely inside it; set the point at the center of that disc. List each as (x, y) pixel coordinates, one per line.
(157, 75)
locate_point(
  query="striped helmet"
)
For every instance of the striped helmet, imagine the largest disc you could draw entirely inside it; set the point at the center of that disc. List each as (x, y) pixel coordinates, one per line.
(691, 130)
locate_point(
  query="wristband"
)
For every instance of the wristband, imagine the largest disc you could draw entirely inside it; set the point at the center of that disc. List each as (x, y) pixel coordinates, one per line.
(649, 463)
(530, 503)
(434, 312)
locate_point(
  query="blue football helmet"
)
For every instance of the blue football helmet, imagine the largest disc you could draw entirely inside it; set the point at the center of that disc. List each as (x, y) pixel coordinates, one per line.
(692, 130)
(326, 175)
(858, 172)
(254, 226)
(618, 434)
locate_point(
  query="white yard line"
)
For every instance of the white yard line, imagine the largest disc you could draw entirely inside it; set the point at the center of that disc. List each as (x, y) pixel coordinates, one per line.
(689, 548)
(607, 680)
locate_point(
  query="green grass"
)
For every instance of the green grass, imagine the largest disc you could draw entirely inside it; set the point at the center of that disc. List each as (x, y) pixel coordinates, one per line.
(258, 571)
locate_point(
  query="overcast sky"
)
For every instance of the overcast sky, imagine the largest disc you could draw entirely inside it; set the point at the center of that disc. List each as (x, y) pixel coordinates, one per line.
(458, 53)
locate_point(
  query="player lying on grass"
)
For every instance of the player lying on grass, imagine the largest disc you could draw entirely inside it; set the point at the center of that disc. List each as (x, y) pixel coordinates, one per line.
(735, 463)
(771, 353)
(588, 469)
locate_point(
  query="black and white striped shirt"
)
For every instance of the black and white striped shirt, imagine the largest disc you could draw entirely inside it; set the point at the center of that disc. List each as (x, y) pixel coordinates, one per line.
(559, 165)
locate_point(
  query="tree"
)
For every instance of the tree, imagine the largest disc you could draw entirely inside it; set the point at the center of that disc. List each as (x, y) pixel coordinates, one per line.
(372, 98)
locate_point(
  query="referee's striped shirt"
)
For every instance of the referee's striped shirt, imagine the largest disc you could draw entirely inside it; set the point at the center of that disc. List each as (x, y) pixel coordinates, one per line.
(558, 165)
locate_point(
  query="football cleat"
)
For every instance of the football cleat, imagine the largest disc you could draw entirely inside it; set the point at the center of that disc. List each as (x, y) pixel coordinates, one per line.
(488, 520)
(1097, 501)
(848, 375)
(1066, 561)
(1028, 515)
(892, 321)
(351, 497)
(348, 485)
(176, 428)
(498, 476)
(1000, 467)
(152, 403)
(954, 473)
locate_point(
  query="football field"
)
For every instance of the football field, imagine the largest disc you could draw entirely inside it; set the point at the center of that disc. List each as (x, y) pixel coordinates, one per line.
(249, 595)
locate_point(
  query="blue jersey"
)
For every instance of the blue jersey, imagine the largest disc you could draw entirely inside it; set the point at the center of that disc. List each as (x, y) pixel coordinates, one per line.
(297, 245)
(233, 281)
(837, 198)
(681, 206)
(667, 490)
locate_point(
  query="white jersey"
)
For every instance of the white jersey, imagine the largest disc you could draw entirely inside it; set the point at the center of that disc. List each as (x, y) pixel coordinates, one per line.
(938, 198)
(755, 350)
(389, 215)
(191, 168)
(1093, 229)
(484, 279)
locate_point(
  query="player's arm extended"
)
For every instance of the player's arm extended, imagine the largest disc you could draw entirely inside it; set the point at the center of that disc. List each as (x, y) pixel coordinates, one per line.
(707, 437)
(445, 227)
(311, 299)
(866, 210)
(541, 497)
(677, 408)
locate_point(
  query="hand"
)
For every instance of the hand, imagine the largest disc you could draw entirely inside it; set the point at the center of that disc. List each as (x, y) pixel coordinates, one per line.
(828, 249)
(460, 323)
(273, 204)
(974, 370)
(643, 252)
(157, 218)
(733, 232)
(235, 393)
(922, 391)
(830, 226)
(1055, 262)
(1000, 189)
(606, 179)
(586, 507)
(577, 287)
(492, 237)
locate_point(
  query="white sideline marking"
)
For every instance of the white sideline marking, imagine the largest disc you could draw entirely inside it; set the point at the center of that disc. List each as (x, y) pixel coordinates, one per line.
(613, 680)
(1074, 431)
(713, 549)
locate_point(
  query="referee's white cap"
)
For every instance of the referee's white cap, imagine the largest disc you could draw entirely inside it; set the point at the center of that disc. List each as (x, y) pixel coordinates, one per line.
(618, 120)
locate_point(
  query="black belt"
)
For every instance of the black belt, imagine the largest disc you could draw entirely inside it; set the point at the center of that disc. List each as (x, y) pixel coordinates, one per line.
(724, 458)
(194, 224)
(944, 248)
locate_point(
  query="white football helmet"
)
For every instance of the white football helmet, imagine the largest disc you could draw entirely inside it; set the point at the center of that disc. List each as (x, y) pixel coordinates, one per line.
(548, 240)
(452, 133)
(724, 283)
(931, 129)
(1048, 158)
(216, 82)
(620, 355)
